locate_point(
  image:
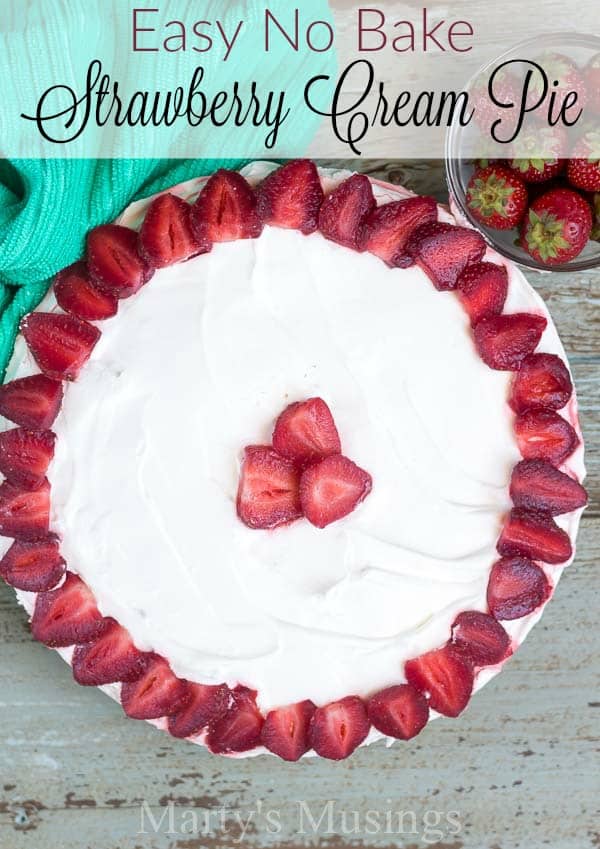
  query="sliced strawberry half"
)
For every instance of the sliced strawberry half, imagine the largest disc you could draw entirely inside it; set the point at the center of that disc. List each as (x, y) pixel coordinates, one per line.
(482, 288)
(157, 692)
(269, 488)
(516, 587)
(207, 703)
(166, 236)
(114, 262)
(305, 432)
(537, 485)
(76, 293)
(389, 227)
(292, 196)
(225, 210)
(60, 344)
(111, 657)
(33, 565)
(443, 251)
(480, 638)
(285, 731)
(399, 711)
(31, 402)
(338, 728)
(532, 533)
(446, 676)
(344, 211)
(25, 456)
(542, 382)
(24, 513)
(545, 435)
(332, 488)
(240, 728)
(67, 616)
(503, 341)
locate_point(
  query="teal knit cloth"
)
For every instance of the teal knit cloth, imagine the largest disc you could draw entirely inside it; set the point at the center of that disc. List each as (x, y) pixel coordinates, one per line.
(48, 206)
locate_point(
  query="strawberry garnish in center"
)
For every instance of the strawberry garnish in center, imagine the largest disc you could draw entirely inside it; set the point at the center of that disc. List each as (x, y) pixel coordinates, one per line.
(303, 474)
(269, 489)
(306, 432)
(332, 489)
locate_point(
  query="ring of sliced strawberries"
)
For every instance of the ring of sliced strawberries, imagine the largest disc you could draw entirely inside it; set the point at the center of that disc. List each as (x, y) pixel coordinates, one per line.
(303, 472)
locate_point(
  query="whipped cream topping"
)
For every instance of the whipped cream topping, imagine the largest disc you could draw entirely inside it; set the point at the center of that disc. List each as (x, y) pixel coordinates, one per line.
(199, 364)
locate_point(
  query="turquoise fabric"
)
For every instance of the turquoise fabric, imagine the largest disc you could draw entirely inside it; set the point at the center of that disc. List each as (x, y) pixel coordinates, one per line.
(47, 205)
(46, 209)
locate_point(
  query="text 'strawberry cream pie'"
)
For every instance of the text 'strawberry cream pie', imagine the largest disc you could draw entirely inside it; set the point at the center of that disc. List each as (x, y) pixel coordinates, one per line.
(296, 463)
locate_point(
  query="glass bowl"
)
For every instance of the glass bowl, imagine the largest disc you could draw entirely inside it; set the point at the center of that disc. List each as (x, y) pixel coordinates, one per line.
(462, 144)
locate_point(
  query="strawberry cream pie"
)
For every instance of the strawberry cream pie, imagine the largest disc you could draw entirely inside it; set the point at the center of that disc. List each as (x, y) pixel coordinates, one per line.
(292, 462)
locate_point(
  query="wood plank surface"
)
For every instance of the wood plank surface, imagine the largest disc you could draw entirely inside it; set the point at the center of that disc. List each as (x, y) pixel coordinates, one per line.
(519, 770)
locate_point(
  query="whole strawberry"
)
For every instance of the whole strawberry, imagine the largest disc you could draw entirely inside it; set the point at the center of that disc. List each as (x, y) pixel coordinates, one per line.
(583, 169)
(591, 75)
(541, 153)
(595, 234)
(564, 70)
(505, 88)
(556, 227)
(497, 197)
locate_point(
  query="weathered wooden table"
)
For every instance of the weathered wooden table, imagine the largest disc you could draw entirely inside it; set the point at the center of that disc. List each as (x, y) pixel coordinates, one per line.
(519, 769)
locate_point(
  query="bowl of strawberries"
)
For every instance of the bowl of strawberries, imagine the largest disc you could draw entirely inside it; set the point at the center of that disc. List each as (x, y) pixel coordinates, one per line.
(525, 171)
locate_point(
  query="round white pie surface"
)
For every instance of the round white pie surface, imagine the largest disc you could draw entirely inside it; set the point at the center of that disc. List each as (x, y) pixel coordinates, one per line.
(199, 364)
